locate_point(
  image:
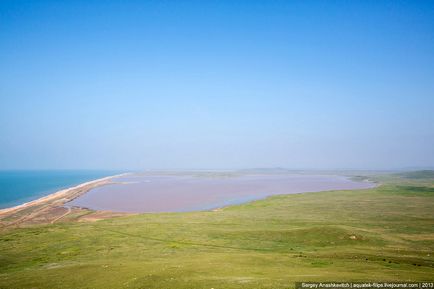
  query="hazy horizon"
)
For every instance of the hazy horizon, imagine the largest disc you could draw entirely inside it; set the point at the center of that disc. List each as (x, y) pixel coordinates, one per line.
(234, 169)
(216, 85)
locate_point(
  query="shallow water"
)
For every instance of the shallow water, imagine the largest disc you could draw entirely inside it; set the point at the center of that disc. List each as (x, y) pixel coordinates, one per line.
(20, 186)
(163, 193)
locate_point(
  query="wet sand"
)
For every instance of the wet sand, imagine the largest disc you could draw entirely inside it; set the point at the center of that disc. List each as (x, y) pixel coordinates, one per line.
(48, 208)
(172, 193)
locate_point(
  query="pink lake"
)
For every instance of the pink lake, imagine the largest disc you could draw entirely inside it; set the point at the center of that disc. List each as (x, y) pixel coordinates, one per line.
(141, 193)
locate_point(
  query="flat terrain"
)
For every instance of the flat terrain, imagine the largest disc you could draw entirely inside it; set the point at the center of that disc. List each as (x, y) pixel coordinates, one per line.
(150, 193)
(51, 209)
(386, 233)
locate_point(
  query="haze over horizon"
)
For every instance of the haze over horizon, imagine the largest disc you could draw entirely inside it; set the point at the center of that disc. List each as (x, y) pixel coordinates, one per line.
(216, 84)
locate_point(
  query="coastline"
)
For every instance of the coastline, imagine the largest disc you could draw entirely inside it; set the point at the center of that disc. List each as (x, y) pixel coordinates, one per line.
(54, 207)
(145, 192)
(49, 204)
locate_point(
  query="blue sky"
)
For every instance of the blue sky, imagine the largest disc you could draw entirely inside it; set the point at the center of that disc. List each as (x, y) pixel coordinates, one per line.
(216, 84)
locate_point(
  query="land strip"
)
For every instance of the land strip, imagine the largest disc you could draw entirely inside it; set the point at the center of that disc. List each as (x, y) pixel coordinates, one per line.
(51, 208)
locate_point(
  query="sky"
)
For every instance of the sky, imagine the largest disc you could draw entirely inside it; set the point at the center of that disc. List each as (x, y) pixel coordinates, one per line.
(216, 84)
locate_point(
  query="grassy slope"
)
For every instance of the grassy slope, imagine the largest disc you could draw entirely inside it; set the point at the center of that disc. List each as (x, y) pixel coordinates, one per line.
(381, 234)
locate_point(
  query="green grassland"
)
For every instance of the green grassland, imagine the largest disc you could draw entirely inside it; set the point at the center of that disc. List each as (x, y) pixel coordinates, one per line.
(381, 234)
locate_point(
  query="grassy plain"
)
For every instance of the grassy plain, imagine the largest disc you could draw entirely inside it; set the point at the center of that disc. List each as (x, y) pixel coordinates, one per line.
(386, 234)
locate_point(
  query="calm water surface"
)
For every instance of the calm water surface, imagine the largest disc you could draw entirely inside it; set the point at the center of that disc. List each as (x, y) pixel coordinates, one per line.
(154, 193)
(19, 186)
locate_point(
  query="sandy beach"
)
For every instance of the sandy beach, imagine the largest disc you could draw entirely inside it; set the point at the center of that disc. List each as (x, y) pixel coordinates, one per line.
(156, 192)
(50, 208)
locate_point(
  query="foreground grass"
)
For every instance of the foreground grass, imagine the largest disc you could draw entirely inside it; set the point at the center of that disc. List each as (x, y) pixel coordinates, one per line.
(385, 233)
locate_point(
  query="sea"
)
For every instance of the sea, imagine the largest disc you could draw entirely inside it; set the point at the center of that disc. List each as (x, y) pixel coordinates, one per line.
(20, 186)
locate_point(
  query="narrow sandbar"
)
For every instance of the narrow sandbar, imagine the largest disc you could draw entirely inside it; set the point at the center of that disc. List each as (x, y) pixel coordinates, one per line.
(45, 206)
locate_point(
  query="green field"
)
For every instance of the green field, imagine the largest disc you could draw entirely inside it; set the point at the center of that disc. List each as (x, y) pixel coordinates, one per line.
(381, 234)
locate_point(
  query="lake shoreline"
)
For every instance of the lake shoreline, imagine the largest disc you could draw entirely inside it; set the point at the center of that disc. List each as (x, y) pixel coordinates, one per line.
(47, 204)
(155, 193)
(60, 206)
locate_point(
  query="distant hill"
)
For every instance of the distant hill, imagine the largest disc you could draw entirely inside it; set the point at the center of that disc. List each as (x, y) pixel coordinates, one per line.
(425, 174)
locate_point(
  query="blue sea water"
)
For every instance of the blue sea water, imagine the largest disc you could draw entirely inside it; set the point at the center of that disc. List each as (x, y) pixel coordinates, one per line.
(19, 186)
